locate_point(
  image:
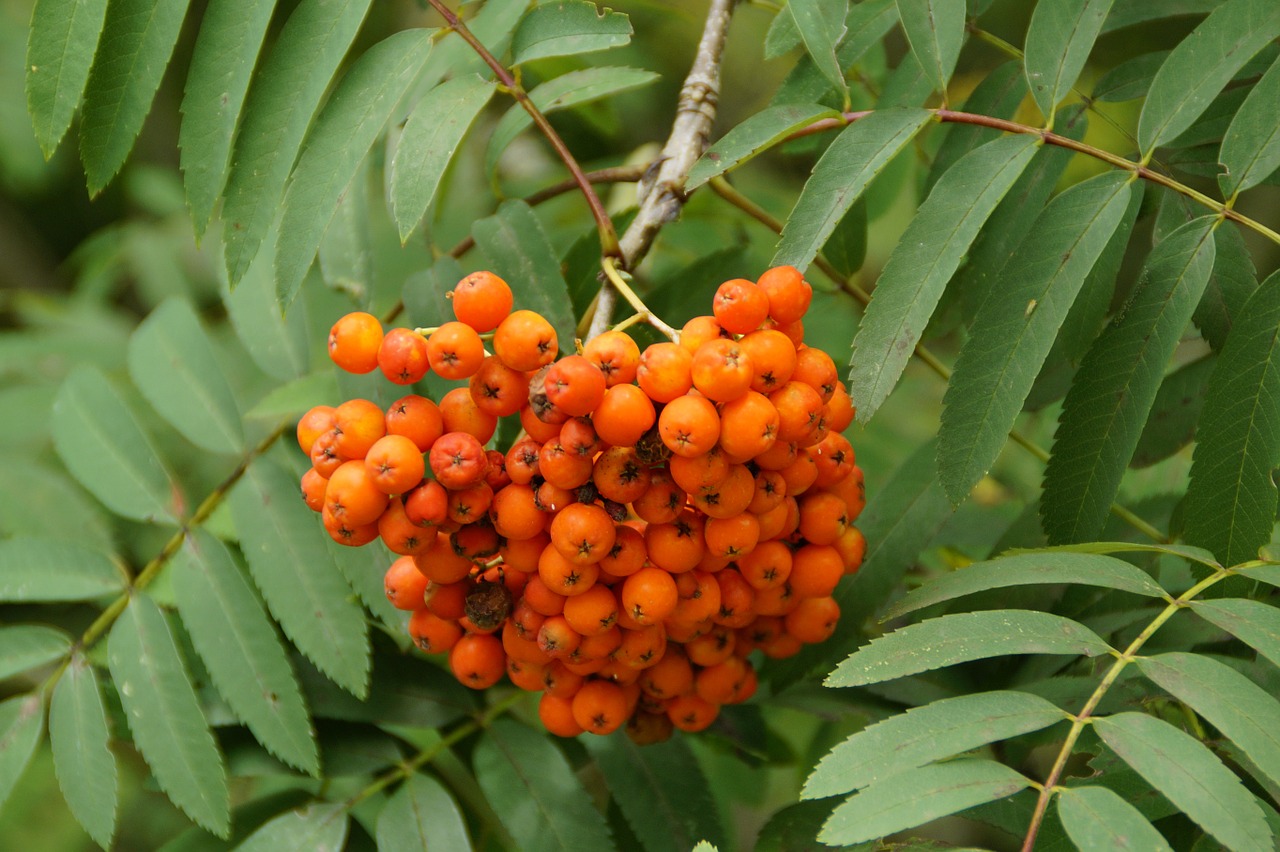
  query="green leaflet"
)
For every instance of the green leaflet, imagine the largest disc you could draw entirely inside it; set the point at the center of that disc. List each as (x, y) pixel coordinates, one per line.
(1112, 394)
(1197, 69)
(1099, 818)
(918, 796)
(1126, 13)
(568, 28)
(935, 30)
(940, 642)
(820, 24)
(240, 649)
(296, 397)
(351, 121)
(21, 728)
(925, 258)
(1175, 412)
(279, 343)
(998, 95)
(79, 737)
(926, 734)
(759, 132)
(426, 146)
(318, 827)
(26, 646)
(60, 48)
(1253, 623)
(421, 815)
(1182, 551)
(865, 25)
(1251, 148)
(1231, 500)
(231, 37)
(1061, 34)
(856, 156)
(291, 82)
(35, 569)
(101, 443)
(1233, 281)
(1189, 775)
(1017, 324)
(164, 715)
(1130, 79)
(137, 40)
(172, 362)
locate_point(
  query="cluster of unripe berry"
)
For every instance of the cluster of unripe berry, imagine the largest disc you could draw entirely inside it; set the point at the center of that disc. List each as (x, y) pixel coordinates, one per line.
(661, 515)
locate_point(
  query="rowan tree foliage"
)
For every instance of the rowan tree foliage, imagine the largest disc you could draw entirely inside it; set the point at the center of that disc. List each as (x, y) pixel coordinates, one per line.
(1043, 237)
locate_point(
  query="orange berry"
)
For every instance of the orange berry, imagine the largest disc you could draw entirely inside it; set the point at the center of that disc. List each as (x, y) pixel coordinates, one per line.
(417, 418)
(324, 453)
(352, 496)
(788, 293)
(404, 585)
(358, 423)
(619, 475)
(402, 357)
(669, 677)
(478, 661)
(816, 369)
(600, 707)
(740, 306)
(574, 385)
(840, 410)
(458, 460)
(722, 370)
(678, 546)
(313, 488)
(400, 534)
(623, 416)
(815, 570)
(699, 330)
(773, 359)
(440, 564)
(482, 300)
(767, 566)
(852, 547)
(354, 342)
(515, 513)
(427, 505)
(395, 463)
(690, 713)
(313, 424)
(583, 533)
(526, 341)
(664, 372)
(748, 426)
(628, 554)
(616, 355)
(689, 425)
(733, 537)
(556, 714)
(497, 389)
(813, 620)
(649, 595)
(662, 501)
(823, 518)
(454, 351)
(431, 633)
(563, 576)
(562, 468)
(592, 612)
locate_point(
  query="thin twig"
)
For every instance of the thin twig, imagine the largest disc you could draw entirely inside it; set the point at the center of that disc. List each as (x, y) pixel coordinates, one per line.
(614, 277)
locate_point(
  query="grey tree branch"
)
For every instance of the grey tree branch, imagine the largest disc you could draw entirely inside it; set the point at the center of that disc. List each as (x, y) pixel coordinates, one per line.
(662, 189)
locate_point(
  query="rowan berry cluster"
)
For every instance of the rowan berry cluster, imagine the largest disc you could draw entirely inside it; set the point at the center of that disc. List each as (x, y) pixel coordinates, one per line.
(662, 515)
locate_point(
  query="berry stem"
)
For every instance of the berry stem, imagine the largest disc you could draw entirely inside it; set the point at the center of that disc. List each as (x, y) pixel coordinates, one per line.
(642, 310)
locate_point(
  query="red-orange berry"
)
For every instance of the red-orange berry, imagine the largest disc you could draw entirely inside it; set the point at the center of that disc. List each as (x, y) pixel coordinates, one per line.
(482, 300)
(402, 357)
(789, 294)
(740, 306)
(354, 341)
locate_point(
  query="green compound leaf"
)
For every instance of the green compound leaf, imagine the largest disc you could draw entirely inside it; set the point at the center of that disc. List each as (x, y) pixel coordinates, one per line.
(917, 796)
(319, 827)
(535, 792)
(1231, 500)
(426, 146)
(82, 759)
(1174, 414)
(282, 541)
(568, 28)
(351, 121)
(1016, 325)
(1116, 385)
(21, 727)
(959, 638)
(38, 569)
(998, 95)
(27, 646)
(164, 715)
(1251, 147)
(856, 156)
(926, 734)
(935, 30)
(101, 443)
(1100, 818)
(923, 261)
(137, 40)
(1188, 775)
(756, 134)
(421, 815)
(1027, 569)
(1061, 34)
(1253, 623)
(291, 83)
(231, 37)
(820, 24)
(1197, 69)
(172, 362)
(240, 649)
(60, 48)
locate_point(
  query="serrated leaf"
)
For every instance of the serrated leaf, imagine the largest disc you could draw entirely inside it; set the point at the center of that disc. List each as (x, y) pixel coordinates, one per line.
(923, 261)
(421, 815)
(60, 47)
(39, 499)
(346, 129)
(290, 85)
(661, 791)
(1026, 569)
(1253, 623)
(21, 727)
(1269, 574)
(998, 95)
(959, 638)
(846, 248)
(1251, 146)
(277, 342)
(856, 156)
(820, 24)
(1233, 281)
(172, 362)
(917, 796)
(138, 37)
(402, 691)
(560, 93)
(1059, 38)
(1174, 414)
(222, 61)
(1202, 63)
(935, 31)
(1130, 79)
(865, 25)
(1231, 499)
(345, 254)
(298, 396)
(1099, 818)
(27, 646)
(1016, 325)
(757, 133)
(1126, 13)
(1116, 385)
(319, 827)
(240, 649)
(1190, 776)
(82, 758)
(37, 569)
(1195, 554)
(426, 146)
(101, 443)
(535, 793)
(290, 564)
(168, 725)
(517, 249)
(923, 735)
(1245, 712)
(567, 28)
